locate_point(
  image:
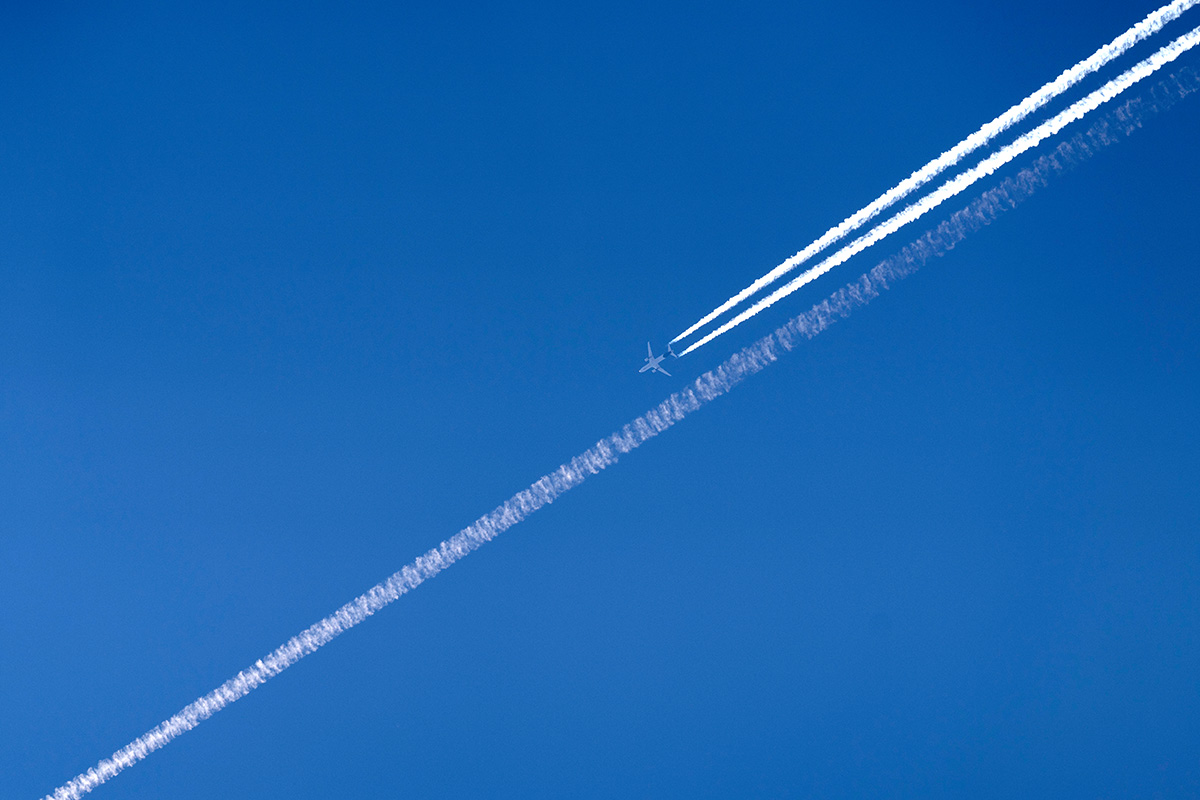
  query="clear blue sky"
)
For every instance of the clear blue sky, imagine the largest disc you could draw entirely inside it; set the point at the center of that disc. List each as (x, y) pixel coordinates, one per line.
(294, 291)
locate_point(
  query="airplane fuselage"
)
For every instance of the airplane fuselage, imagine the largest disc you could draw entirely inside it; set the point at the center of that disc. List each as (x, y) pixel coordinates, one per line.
(653, 362)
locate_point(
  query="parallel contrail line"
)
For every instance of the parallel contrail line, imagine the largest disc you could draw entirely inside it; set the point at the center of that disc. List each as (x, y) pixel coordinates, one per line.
(1110, 129)
(1117, 47)
(961, 182)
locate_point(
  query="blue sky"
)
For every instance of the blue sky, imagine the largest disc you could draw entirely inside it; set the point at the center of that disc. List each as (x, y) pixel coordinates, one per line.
(294, 292)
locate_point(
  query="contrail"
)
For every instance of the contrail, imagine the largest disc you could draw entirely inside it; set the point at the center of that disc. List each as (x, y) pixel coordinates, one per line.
(1007, 195)
(1117, 47)
(709, 386)
(961, 182)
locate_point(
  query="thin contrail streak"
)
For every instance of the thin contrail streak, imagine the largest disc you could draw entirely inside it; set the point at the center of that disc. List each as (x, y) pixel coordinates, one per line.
(1117, 47)
(1008, 194)
(960, 183)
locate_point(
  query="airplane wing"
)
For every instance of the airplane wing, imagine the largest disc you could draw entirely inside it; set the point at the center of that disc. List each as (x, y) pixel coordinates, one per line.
(649, 351)
(663, 371)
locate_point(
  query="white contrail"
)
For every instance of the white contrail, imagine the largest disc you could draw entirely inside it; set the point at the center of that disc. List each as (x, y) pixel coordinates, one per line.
(704, 389)
(1119, 123)
(1117, 47)
(960, 182)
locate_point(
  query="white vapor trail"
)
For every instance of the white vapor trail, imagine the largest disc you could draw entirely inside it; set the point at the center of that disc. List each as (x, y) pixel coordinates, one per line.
(961, 182)
(1007, 195)
(1117, 47)
(544, 491)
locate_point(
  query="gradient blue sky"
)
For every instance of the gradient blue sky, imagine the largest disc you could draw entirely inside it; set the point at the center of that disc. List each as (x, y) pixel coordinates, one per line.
(293, 292)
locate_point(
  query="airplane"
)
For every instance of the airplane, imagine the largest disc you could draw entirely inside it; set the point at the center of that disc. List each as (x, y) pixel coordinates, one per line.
(653, 362)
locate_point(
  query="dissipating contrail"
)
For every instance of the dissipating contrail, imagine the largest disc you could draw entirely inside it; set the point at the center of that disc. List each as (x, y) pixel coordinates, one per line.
(1152, 24)
(959, 183)
(1108, 130)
